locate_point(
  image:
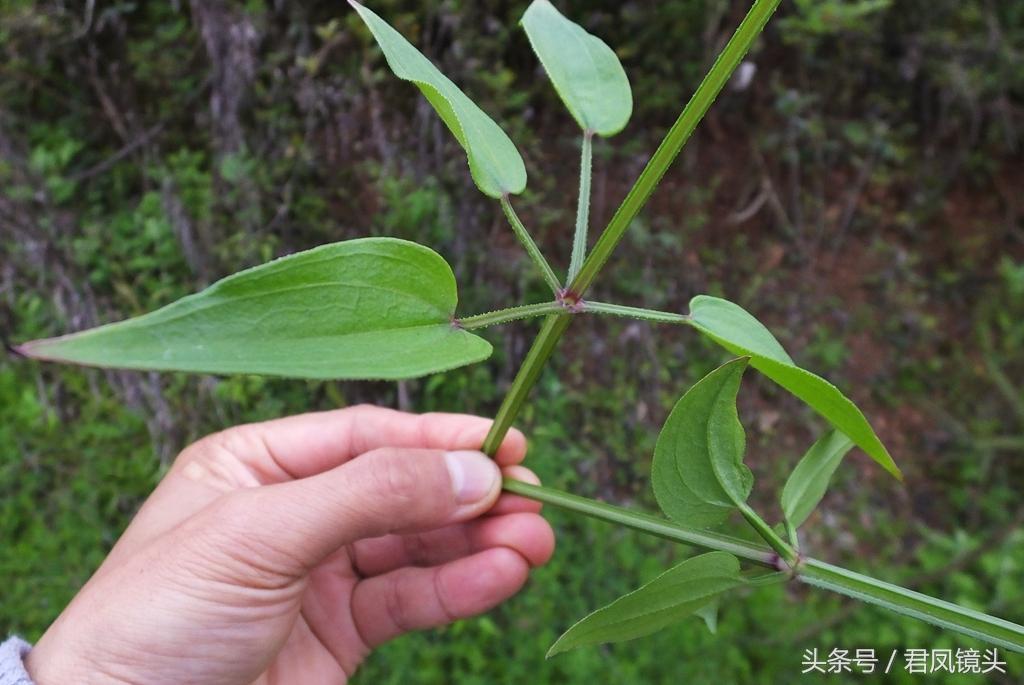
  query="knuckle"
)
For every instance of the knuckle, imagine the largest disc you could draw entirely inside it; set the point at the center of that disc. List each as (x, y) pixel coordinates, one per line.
(407, 487)
(363, 410)
(396, 604)
(398, 477)
(444, 599)
(226, 460)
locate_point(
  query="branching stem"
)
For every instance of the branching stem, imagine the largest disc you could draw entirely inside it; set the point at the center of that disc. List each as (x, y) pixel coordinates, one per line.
(813, 572)
(637, 197)
(810, 571)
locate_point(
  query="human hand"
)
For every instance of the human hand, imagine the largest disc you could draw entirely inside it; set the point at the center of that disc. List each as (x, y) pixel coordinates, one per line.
(283, 552)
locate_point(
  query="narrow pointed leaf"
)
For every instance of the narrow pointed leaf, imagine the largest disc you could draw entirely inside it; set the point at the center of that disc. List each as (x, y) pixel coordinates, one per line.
(675, 594)
(809, 480)
(584, 70)
(367, 308)
(494, 162)
(698, 472)
(736, 330)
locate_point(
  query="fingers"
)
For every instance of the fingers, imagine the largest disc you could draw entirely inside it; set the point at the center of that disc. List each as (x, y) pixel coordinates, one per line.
(415, 598)
(509, 503)
(377, 555)
(297, 447)
(526, 533)
(301, 446)
(292, 526)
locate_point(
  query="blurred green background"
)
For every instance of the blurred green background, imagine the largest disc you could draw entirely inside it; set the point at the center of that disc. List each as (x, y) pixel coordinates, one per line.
(861, 194)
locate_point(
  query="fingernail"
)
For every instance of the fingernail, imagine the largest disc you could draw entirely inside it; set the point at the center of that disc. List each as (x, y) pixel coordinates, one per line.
(473, 475)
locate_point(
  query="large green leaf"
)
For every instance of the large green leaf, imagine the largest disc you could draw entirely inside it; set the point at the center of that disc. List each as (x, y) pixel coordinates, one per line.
(736, 330)
(584, 70)
(809, 480)
(698, 472)
(675, 594)
(494, 162)
(368, 308)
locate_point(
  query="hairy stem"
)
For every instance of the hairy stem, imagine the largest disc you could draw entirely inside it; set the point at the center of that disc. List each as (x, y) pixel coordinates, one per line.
(543, 345)
(528, 311)
(673, 142)
(579, 241)
(645, 523)
(910, 603)
(659, 162)
(634, 312)
(810, 571)
(500, 316)
(531, 246)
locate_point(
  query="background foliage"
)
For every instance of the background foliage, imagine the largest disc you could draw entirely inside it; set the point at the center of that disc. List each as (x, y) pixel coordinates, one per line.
(859, 193)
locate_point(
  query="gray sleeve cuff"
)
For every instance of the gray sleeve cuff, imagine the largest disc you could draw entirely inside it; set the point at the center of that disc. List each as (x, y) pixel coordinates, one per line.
(12, 668)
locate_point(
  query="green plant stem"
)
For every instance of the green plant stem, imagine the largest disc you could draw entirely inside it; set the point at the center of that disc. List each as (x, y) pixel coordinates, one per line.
(673, 142)
(781, 547)
(579, 241)
(500, 316)
(531, 247)
(659, 162)
(645, 523)
(910, 603)
(810, 571)
(528, 311)
(794, 539)
(543, 345)
(634, 312)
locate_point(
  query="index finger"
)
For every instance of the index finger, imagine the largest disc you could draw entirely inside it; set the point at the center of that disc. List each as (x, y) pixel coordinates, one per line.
(308, 444)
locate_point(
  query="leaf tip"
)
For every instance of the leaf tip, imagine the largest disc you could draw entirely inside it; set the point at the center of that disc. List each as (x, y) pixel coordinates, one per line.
(17, 351)
(29, 350)
(885, 460)
(896, 473)
(741, 363)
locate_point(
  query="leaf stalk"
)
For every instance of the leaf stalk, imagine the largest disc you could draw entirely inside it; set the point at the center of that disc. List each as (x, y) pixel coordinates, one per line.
(531, 247)
(501, 316)
(579, 241)
(785, 552)
(674, 141)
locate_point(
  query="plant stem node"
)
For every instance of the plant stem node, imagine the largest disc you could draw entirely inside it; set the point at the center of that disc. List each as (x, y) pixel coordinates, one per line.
(571, 301)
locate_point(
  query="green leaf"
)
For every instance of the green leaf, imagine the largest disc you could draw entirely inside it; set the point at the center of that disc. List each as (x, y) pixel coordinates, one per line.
(368, 308)
(736, 330)
(709, 614)
(675, 594)
(698, 472)
(494, 162)
(584, 70)
(809, 480)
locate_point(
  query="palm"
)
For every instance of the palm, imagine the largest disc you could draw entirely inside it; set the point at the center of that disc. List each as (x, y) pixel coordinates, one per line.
(324, 645)
(251, 606)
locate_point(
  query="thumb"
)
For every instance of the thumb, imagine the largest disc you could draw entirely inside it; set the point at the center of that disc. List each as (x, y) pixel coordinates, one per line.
(388, 490)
